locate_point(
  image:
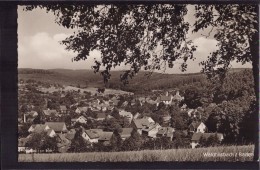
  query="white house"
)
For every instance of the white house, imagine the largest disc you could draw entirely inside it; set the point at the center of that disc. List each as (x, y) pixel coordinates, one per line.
(139, 124)
(151, 130)
(167, 100)
(196, 127)
(81, 119)
(92, 135)
(126, 114)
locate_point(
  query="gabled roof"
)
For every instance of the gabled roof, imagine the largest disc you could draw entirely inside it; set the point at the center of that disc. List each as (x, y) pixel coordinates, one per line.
(49, 131)
(56, 126)
(125, 113)
(150, 126)
(126, 132)
(39, 128)
(106, 136)
(165, 130)
(82, 109)
(81, 117)
(197, 136)
(140, 123)
(195, 125)
(165, 98)
(93, 134)
(101, 115)
(63, 108)
(49, 112)
(31, 113)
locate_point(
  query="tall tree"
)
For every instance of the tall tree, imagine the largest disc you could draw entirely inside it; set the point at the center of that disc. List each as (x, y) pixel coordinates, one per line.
(153, 36)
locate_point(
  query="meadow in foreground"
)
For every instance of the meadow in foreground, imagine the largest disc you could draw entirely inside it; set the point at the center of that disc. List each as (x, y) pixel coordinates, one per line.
(223, 153)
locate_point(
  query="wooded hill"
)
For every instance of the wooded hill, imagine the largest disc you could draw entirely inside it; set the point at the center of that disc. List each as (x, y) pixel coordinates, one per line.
(140, 82)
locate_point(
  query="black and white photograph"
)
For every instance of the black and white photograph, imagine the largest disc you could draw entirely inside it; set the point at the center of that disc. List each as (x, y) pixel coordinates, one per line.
(122, 82)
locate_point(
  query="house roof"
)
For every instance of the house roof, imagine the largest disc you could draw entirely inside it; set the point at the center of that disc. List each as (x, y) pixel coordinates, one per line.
(165, 98)
(195, 124)
(165, 130)
(83, 109)
(197, 136)
(101, 115)
(49, 112)
(38, 128)
(56, 126)
(125, 113)
(22, 142)
(126, 132)
(49, 131)
(93, 134)
(140, 123)
(178, 97)
(63, 141)
(106, 136)
(81, 117)
(63, 108)
(150, 126)
(31, 113)
(71, 134)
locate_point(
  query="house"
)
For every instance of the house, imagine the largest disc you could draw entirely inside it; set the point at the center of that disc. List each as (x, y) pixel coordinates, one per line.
(167, 100)
(166, 118)
(58, 127)
(63, 143)
(92, 135)
(63, 109)
(183, 107)
(81, 119)
(177, 97)
(105, 138)
(39, 128)
(21, 144)
(70, 134)
(126, 114)
(30, 116)
(151, 129)
(126, 133)
(197, 136)
(165, 131)
(101, 116)
(139, 124)
(81, 110)
(196, 127)
(50, 112)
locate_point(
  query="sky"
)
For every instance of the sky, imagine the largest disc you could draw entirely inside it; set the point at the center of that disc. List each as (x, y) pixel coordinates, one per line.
(39, 45)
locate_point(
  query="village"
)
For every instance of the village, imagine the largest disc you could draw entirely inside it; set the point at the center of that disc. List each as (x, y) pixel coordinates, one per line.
(98, 118)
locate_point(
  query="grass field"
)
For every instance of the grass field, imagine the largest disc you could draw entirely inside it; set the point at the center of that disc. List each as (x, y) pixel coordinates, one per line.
(223, 153)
